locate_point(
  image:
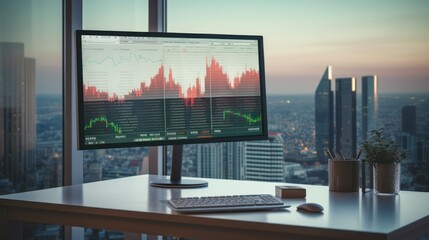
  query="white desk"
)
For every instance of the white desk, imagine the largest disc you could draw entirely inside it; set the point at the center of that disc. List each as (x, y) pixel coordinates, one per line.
(131, 205)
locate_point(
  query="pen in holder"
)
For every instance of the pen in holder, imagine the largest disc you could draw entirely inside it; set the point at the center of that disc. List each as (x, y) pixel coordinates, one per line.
(343, 174)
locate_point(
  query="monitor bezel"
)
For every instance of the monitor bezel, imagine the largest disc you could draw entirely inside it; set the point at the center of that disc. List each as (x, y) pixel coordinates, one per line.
(80, 98)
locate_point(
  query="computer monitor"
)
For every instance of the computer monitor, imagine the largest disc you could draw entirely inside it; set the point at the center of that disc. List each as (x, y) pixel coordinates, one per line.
(149, 88)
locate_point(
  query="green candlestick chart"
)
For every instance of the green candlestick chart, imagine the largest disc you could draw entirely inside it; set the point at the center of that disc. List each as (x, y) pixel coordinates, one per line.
(104, 120)
(248, 117)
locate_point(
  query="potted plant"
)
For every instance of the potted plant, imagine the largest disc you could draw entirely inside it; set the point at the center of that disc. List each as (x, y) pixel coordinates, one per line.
(385, 156)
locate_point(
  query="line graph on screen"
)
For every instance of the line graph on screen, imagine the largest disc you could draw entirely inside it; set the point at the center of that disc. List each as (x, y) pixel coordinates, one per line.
(164, 85)
(164, 91)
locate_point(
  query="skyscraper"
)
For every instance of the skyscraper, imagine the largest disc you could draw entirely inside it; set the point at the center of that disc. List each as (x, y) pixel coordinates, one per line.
(263, 160)
(345, 116)
(324, 116)
(369, 105)
(409, 139)
(220, 160)
(423, 150)
(17, 113)
(210, 160)
(409, 119)
(234, 155)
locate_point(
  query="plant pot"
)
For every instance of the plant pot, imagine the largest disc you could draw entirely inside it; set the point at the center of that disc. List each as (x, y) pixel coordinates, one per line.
(387, 178)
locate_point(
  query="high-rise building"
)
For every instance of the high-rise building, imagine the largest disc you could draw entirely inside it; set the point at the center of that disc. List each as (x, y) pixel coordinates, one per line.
(423, 150)
(263, 160)
(324, 116)
(29, 111)
(369, 105)
(345, 116)
(409, 139)
(17, 113)
(409, 119)
(234, 156)
(220, 160)
(210, 160)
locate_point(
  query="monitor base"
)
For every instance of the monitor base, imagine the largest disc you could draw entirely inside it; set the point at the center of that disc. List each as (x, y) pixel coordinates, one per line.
(183, 183)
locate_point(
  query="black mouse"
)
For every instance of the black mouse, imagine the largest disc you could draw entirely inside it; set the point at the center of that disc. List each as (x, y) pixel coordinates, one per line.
(310, 207)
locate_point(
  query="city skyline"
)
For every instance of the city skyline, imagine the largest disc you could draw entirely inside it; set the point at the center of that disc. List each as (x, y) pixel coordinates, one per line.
(384, 38)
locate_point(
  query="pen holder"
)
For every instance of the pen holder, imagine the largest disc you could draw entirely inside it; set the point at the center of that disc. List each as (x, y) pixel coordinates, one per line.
(343, 175)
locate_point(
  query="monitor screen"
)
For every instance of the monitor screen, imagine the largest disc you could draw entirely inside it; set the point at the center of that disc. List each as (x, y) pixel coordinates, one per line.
(142, 88)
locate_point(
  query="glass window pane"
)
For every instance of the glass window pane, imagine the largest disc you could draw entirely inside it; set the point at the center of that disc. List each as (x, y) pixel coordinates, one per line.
(129, 15)
(104, 164)
(120, 15)
(31, 100)
(30, 95)
(382, 40)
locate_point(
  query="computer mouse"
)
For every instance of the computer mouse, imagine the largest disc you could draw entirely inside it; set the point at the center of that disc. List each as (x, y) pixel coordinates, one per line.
(310, 207)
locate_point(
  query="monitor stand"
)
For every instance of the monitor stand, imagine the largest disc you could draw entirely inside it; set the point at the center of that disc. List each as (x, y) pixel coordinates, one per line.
(176, 180)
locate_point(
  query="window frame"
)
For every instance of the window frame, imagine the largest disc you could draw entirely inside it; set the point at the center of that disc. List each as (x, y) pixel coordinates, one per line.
(72, 15)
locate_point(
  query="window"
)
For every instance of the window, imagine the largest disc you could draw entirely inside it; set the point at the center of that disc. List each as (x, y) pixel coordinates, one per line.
(130, 15)
(31, 100)
(361, 38)
(104, 164)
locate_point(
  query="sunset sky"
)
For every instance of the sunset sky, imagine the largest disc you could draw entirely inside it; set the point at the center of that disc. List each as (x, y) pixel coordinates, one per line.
(386, 38)
(389, 38)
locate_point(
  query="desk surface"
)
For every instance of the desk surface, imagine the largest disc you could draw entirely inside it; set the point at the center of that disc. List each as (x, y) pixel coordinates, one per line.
(132, 205)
